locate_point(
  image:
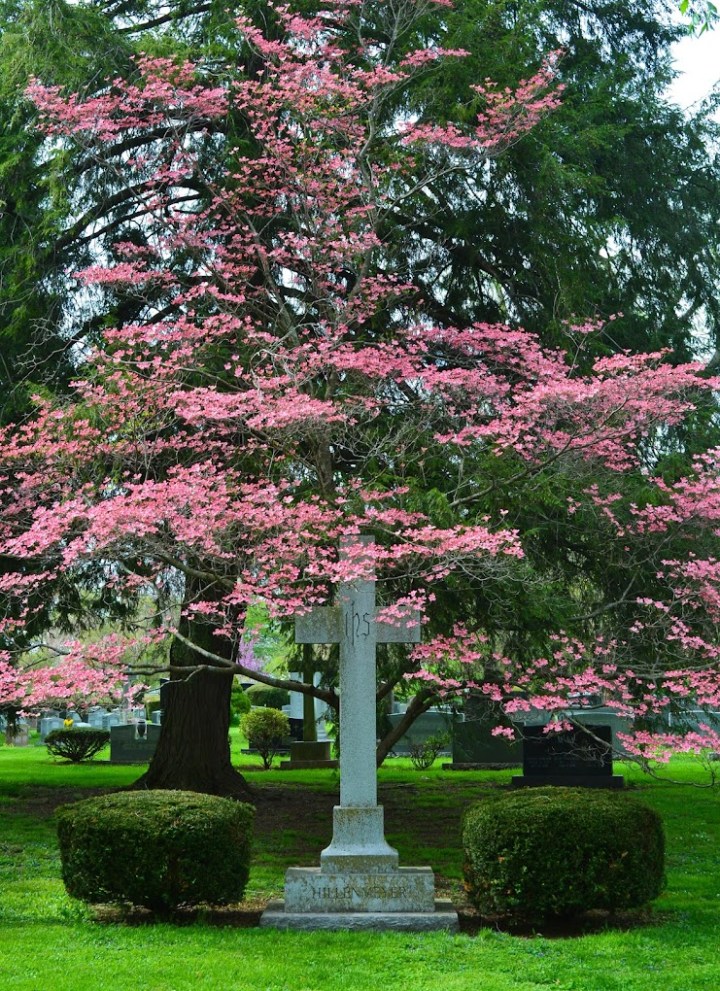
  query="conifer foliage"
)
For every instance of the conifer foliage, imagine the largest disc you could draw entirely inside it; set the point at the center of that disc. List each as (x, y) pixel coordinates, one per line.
(283, 388)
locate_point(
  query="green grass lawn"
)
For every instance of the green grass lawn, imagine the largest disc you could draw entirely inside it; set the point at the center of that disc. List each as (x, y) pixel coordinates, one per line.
(48, 941)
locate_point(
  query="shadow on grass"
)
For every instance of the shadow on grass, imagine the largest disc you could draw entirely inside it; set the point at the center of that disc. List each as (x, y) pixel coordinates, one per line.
(294, 822)
(588, 924)
(246, 915)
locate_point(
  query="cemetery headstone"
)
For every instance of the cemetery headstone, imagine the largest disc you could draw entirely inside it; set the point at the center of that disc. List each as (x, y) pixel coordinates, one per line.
(434, 722)
(95, 718)
(133, 744)
(309, 754)
(475, 745)
(306, 753)
(17, 735)
(358, 884)
(581, 757)
(50, 723)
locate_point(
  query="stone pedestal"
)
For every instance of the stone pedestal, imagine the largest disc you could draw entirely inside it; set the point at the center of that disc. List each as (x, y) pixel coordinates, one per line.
(443, 917)
(306, 754)
(358, 844)
(359, 884)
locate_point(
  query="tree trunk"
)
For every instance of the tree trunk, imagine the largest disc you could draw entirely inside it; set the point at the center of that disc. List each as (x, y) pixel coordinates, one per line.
(308, 674)
(193, 751)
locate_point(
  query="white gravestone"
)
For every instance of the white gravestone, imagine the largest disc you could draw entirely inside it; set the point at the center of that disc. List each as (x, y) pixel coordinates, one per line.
(359, 883)
(296, 710)
(95, 718)
(48, 724)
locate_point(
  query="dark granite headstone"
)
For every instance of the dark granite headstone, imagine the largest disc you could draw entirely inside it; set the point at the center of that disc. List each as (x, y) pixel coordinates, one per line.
(473, 745)
(131, 744)
(434, 722)
(573, 758)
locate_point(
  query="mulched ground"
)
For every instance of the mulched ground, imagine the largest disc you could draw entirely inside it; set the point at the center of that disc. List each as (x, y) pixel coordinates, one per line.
(308, 813)
(302, 818)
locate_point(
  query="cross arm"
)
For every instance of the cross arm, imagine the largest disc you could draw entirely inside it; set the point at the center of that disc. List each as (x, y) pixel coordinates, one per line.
(322, 625)
(408, 631)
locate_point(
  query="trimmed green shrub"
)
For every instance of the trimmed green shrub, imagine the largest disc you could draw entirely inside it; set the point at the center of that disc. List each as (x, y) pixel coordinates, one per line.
(266, 730)
(77, 745)
(157, 849)
(424, 754)
(545, 853)
(268, 697)
(239, 703)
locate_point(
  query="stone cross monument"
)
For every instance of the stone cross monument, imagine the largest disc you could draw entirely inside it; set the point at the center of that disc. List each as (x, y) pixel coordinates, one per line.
(359, 884)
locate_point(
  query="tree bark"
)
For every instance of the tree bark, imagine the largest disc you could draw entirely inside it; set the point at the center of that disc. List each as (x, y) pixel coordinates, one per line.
(193, 751)
(309, 724)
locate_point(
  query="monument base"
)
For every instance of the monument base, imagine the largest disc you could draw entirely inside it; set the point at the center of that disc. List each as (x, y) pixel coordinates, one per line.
(358, 844)
(568, 781)
(404, 889)
(306, 765)
(442, 916)
(359, 884)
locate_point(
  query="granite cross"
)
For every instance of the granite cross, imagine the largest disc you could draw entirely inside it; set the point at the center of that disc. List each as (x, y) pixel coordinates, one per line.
(358, 836)
(359, 884)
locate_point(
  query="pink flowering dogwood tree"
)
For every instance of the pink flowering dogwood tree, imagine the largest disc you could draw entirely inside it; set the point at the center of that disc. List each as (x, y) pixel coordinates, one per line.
(77, 682)
(285, 391)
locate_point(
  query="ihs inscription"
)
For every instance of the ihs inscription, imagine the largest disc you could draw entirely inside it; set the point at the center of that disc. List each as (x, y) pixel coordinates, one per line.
(357, 624)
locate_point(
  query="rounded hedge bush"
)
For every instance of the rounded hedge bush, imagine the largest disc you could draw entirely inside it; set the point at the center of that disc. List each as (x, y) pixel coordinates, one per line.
(77, 745)
(549, 853)
(239, 703)
(157, 849)
(267, 696)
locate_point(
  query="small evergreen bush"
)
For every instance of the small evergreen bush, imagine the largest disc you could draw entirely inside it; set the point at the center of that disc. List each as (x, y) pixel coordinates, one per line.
(76, 745)
(157, 849)
(239, 703)
(545, 853)
(266, 730)
(424, 754)
(268, 697)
